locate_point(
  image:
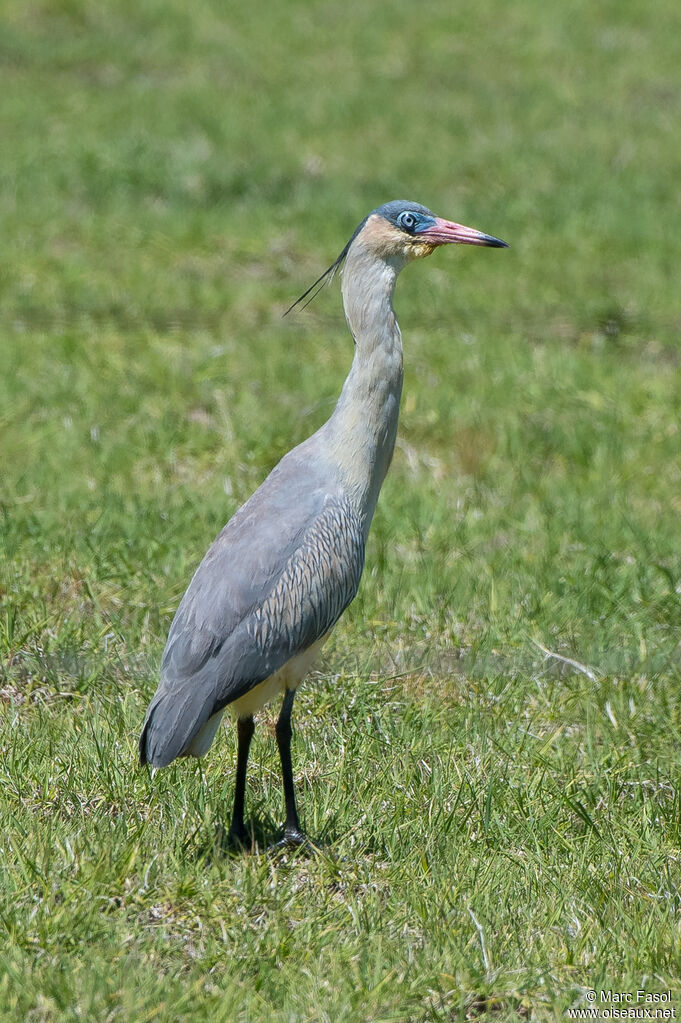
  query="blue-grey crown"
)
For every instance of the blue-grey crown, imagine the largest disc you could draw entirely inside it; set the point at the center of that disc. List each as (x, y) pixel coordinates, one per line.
(391, 210)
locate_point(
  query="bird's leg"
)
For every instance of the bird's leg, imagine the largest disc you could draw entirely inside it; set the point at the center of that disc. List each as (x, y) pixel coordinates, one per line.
(292, 833)
(237, 829)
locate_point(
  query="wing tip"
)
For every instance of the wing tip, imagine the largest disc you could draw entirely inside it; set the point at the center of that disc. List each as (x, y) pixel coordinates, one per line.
(172, 723)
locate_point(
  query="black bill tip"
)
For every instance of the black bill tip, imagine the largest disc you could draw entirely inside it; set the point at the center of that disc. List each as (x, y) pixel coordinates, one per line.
(494, 243)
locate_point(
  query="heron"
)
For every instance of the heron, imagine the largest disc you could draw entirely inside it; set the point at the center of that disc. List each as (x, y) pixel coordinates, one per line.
(276, 580)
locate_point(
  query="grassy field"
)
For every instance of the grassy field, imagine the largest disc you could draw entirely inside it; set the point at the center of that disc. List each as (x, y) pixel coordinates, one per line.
(490, 753)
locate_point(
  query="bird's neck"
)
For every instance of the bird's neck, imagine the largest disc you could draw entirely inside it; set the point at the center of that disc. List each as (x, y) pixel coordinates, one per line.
(363, 427)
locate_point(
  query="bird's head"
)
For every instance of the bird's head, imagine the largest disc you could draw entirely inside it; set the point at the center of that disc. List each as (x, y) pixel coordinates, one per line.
(406, 230)
(398, 232)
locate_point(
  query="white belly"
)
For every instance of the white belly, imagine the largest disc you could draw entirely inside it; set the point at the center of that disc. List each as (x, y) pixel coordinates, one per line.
(288, 677)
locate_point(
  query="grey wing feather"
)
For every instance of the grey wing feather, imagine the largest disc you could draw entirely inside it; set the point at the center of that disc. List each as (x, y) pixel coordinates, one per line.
(318, 582)
(277, 579)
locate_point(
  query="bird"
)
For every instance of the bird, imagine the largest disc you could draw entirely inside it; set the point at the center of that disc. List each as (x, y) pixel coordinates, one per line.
(276, 580)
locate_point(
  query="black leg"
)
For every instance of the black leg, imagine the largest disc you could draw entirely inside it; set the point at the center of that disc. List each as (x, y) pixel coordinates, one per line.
(292, 833)
(237, 830)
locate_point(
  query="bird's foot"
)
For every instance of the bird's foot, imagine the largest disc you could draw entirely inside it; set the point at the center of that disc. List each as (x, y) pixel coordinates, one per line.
(293, 838)
(238, 838)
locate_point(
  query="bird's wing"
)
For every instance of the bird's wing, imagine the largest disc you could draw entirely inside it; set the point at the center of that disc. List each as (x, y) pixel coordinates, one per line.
(276, 579)
(270, 586)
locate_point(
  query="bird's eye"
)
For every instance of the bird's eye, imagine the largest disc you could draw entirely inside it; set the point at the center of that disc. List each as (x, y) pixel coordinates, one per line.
(407, 221)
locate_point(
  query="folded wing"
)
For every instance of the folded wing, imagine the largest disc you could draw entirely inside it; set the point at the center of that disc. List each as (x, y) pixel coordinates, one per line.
(276, 579)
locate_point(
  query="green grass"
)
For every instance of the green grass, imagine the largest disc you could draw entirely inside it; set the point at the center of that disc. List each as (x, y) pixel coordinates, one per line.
(500, 827)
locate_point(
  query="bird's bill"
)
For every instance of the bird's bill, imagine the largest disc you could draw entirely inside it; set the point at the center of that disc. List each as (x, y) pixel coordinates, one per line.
(446, 232)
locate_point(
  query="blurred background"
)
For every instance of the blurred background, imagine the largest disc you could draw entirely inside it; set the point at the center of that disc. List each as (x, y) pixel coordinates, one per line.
(173, 176)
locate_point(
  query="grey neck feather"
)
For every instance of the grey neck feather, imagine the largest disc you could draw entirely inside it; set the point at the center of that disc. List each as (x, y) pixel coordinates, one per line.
(362, 430)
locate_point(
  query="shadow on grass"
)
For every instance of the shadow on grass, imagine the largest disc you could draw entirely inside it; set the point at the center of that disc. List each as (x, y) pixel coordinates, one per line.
(264, 839)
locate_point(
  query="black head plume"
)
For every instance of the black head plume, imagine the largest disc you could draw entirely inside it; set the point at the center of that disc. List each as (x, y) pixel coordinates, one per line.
(327, 276)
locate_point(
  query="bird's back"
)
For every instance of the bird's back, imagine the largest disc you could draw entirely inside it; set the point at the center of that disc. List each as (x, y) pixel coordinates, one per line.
(275, 581)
